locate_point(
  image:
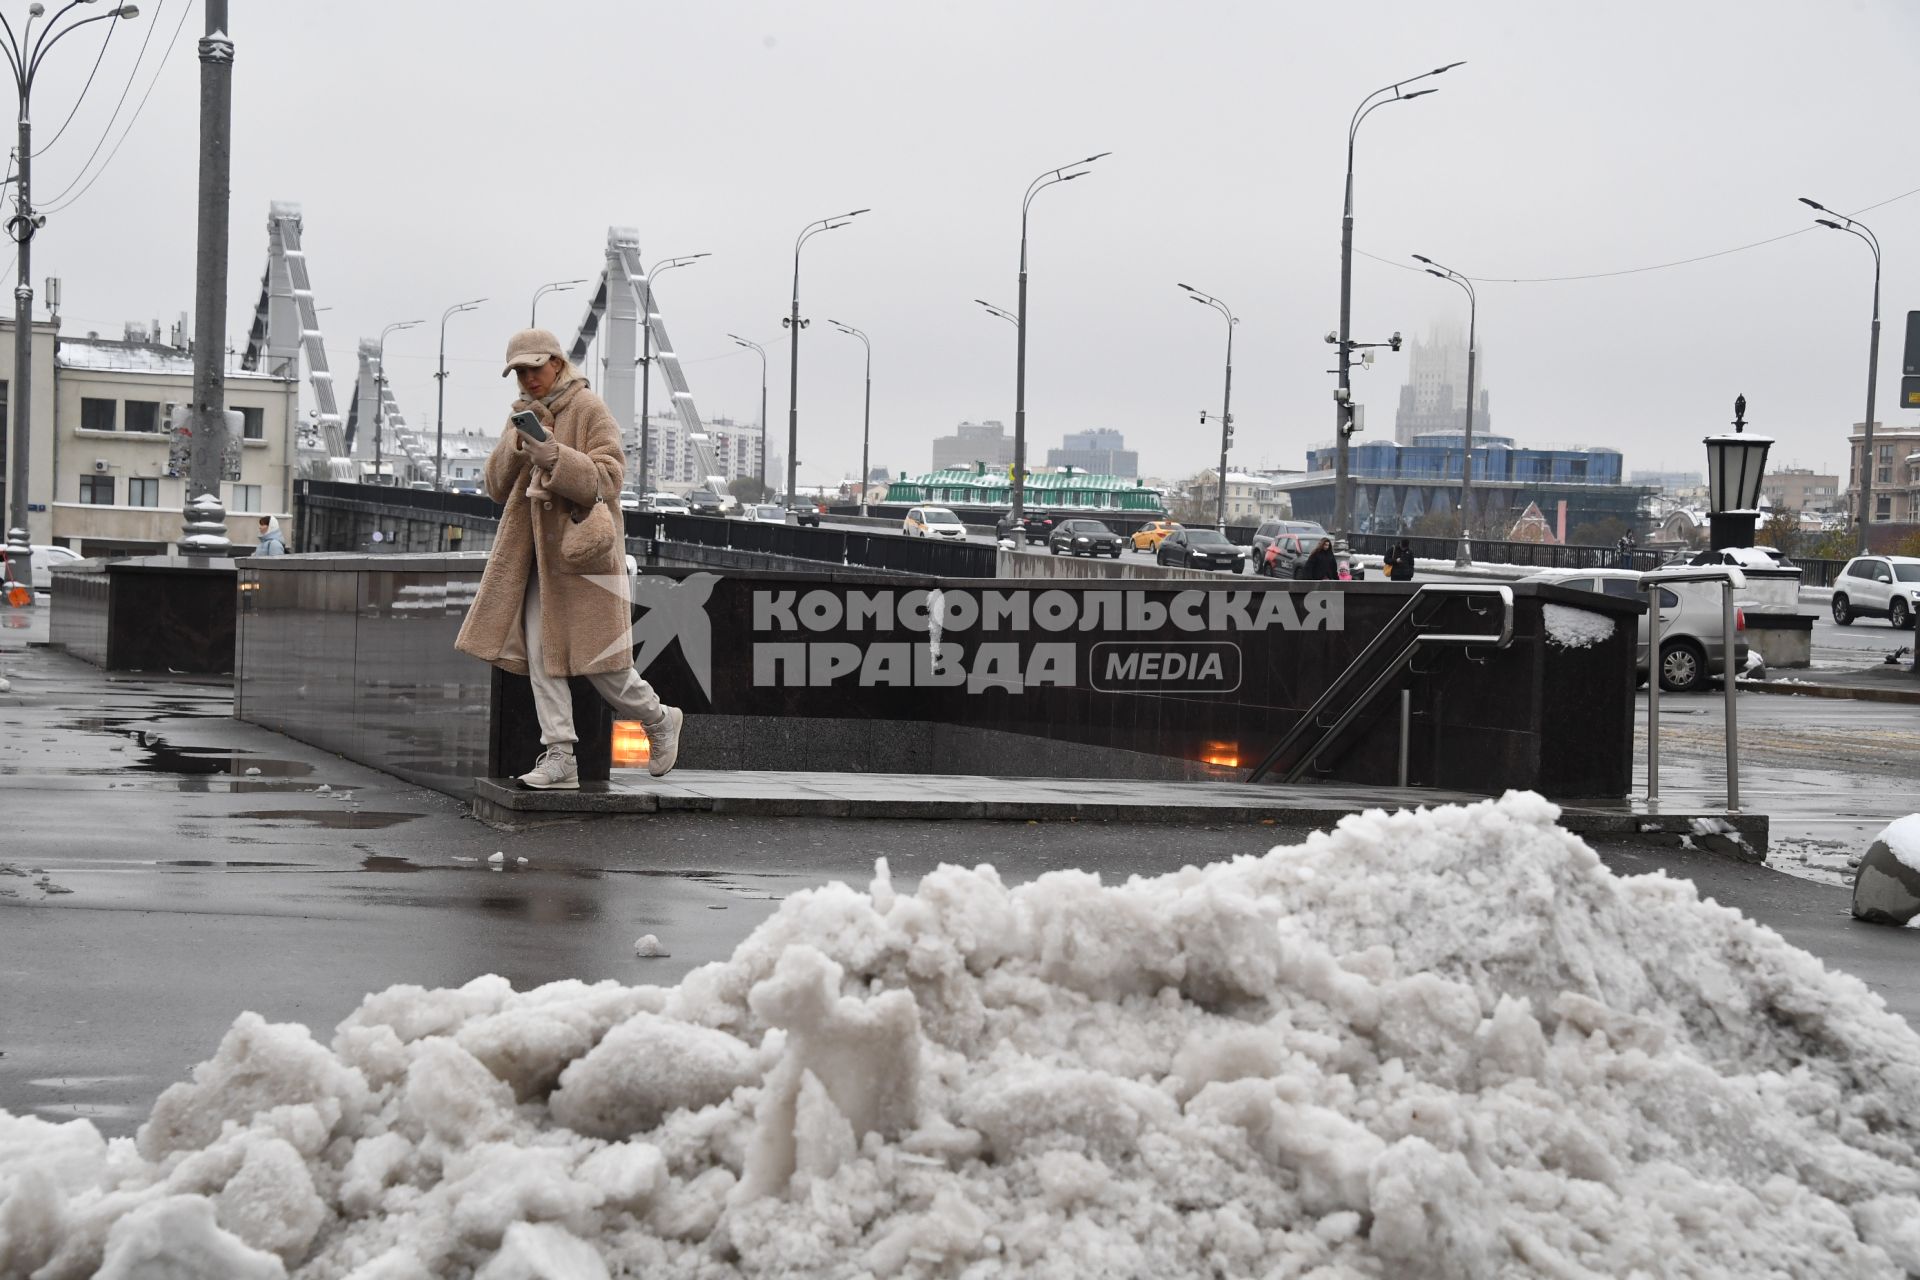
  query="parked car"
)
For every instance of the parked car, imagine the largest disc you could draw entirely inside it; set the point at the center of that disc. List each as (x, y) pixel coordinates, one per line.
(668, 504)
(1083, 538)
(932, 522)
(1270, 530)
(705, 502)
(1285, 553)
(1692, 642)
(1200, 549)
(45, 556)
(629, 500)
(1149, 535)
(1876, 587)
(763, 513)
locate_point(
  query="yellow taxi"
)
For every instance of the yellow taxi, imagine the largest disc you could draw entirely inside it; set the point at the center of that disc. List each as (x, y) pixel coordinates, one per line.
(1148, 536)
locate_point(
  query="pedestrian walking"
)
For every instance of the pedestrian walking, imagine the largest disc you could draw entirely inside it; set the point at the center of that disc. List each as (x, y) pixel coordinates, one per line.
(1400, 562)
(553, 600)
(271, 543)
(1321, 566)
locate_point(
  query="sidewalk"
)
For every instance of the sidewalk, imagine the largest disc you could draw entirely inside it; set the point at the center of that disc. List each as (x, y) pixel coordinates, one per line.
(166, 867)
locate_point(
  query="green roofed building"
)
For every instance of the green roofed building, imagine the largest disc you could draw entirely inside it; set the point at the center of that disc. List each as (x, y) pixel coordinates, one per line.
(1048, 490)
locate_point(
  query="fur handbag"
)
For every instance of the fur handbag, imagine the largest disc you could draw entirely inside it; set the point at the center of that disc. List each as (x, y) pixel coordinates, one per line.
(590, 535)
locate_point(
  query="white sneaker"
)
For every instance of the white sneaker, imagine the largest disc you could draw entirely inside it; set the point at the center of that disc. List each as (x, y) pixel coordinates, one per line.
(663, 742)
(555, 770)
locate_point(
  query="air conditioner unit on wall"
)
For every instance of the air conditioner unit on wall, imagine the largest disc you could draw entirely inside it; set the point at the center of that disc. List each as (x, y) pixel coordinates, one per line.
(99, 464)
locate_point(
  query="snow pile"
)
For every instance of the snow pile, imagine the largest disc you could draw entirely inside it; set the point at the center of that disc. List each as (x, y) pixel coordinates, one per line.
(1902, 838)
(1441, 1044)
(1573, 628)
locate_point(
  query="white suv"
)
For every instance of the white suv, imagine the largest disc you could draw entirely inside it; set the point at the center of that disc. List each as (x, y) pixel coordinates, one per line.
(1690, 624)
(1878, 587)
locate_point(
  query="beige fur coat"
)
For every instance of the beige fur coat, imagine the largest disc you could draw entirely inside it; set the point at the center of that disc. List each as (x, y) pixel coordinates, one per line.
(585, 618)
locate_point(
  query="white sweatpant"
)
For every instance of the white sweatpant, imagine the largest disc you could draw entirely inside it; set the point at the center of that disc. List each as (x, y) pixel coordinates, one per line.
(631, 697)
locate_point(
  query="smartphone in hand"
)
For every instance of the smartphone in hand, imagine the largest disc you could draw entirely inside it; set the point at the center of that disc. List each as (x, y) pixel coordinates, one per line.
(528, 423)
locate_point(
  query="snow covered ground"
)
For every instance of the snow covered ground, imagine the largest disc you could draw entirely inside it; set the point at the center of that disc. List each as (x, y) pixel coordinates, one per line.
(1436, 1044)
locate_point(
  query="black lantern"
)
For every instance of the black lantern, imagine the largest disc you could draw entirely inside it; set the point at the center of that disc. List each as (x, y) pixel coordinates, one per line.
(1736, 464)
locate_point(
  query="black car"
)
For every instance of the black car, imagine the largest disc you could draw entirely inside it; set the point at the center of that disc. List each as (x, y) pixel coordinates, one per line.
(1199, 549)
(1083, 538)
(1011, 526)
(705, 502)
(1039, 526)
(1291, 534)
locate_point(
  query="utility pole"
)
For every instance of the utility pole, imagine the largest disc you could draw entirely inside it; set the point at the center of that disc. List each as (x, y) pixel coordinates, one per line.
(440, 409)
(866, 419)
(204, 520)
(1226, 396)
(762, 352)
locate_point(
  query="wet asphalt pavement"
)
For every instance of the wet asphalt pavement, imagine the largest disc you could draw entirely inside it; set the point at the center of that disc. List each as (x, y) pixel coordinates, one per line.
(153, 885)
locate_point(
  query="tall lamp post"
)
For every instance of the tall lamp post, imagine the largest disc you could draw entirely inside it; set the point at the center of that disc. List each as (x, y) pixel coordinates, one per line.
(1845, 223)
(763, 405)
(556, 286)
(866, 417)
(1226, 398)
(1050, 178)
(380, 392)
(646, 362)
(1343, 393)
(440, 411)
(795, 324)
(1464, 556)
(23, 58)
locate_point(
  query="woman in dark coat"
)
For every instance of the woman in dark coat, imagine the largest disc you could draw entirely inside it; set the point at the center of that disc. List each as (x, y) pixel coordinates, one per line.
(1321, 566)
(1400, 563)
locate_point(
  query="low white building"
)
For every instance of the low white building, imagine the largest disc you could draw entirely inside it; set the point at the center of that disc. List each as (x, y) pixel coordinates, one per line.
(107, 476)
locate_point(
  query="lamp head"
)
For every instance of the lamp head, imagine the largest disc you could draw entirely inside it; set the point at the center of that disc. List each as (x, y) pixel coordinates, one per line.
(1419, 93)
(1091, 159)
(1813, 204)
(1450, 66)
(127, 11)
(1829, 222)
(1432, 272)
(35, 9)
(1421, 257)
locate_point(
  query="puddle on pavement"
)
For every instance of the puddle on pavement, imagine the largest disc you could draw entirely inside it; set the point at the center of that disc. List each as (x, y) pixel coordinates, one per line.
(331, 819)
(160, 756)
(383, 862)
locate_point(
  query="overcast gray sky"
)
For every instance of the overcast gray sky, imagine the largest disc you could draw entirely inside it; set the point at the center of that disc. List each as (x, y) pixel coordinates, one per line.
(446, 151)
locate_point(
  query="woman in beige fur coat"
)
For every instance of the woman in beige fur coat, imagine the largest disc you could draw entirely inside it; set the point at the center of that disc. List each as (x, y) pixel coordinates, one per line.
(536, 616)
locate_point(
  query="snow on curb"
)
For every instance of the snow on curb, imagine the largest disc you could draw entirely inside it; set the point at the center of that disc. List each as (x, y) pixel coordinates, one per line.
(1447, 1043)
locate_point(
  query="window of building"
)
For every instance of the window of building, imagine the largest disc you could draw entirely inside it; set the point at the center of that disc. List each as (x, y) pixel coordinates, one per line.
(253, 423)
(246, 497)
(96, 491)
(1883, 508)
(143, 415)
(1886, 453)
(98, 415)
(143, 491)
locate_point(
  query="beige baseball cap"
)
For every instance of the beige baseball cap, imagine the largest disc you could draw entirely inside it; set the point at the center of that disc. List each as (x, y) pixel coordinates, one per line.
(530, 348)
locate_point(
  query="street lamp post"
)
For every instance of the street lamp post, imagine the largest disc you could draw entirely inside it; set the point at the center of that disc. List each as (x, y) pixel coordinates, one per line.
(795, 324)
(866, 417)
(646, 362)
(380, 391)
(1464, 556)
(1343, 394)
(1034, 188)
(556, 286)
(24, 55)
(763, 406)
(1845, 223)
(1226, 397)
(440, 412)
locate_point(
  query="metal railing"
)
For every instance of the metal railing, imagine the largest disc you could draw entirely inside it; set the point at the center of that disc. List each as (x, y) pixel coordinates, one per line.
(1730, 580)
(1310, 719)
(873, 549)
